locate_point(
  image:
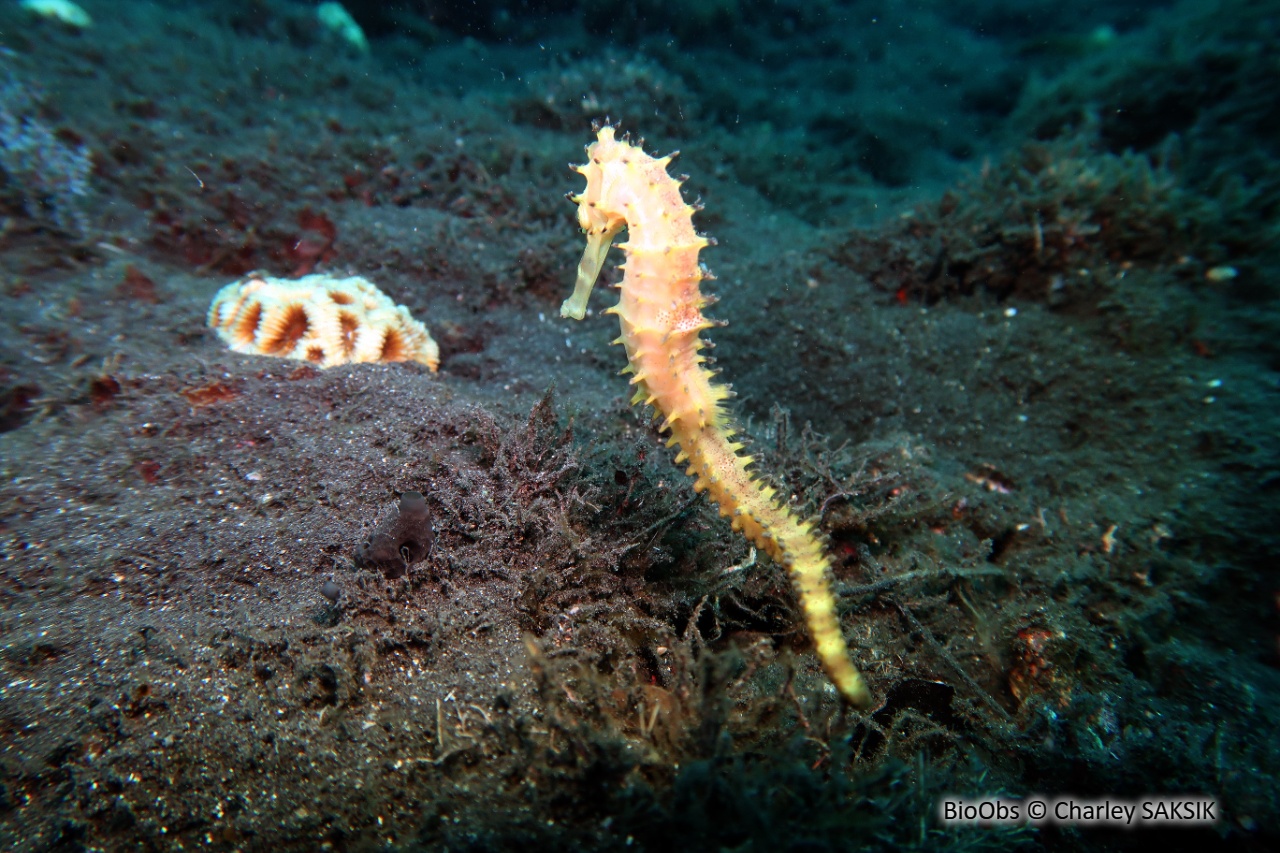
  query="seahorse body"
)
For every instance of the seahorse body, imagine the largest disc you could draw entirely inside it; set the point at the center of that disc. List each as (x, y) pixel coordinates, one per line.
(660, 310)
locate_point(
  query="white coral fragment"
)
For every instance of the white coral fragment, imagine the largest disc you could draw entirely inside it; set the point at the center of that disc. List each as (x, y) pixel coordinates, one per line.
(336, 19)
(319, 319)
(60, 10)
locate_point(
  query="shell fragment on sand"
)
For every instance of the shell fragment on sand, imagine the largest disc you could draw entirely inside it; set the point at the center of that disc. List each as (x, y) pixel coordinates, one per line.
(319, 319)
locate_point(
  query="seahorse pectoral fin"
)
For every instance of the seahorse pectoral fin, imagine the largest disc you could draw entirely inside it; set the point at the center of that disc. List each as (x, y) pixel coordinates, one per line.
(598, 243)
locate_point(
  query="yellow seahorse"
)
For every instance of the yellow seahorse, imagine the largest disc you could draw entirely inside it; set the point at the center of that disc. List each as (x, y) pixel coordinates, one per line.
(661, 314)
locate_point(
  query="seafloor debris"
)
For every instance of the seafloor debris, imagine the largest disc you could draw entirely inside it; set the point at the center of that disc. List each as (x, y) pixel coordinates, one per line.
(320, 319)
(402, 539)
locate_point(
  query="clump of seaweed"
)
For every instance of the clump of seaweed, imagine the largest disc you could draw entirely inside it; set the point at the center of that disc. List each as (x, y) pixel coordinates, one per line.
(44, 173)
(632, 90)
(516, 487)
(1055, 222)
(683, 706)
(735, 754)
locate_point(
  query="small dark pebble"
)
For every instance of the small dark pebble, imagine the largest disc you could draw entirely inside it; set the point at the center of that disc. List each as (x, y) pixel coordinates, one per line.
(331, 591)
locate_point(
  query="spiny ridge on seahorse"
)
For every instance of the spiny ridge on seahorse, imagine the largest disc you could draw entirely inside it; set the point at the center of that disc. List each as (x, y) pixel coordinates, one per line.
(660, 309)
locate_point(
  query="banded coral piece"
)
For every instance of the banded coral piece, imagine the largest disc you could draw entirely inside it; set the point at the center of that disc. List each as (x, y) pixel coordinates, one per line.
(319, 319)
(660, 309)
